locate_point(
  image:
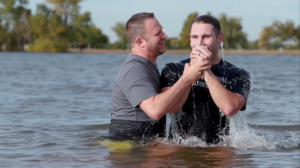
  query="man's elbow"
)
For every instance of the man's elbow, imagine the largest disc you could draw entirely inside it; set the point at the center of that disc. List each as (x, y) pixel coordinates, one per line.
(154, 115)
(233, 107)
(174, 110)
(229, 111)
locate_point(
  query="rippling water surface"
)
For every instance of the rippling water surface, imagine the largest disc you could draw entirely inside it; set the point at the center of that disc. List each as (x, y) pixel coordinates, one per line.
(55, 107)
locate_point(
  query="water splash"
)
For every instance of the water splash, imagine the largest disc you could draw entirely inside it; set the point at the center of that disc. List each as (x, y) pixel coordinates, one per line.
(292, 142)
(222, 56)
(175, 127)
(176, 130)
(253, 88)
(168, 125)
(243, 136)
(194, 106)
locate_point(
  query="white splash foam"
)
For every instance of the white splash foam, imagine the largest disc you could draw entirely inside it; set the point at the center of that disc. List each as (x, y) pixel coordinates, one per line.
(243, 136)
(222, 56)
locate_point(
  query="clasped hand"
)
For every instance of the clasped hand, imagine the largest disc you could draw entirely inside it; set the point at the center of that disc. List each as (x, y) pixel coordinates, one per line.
(200, 62)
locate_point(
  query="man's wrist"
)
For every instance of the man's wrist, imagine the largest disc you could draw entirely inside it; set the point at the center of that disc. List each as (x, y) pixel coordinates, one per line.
(186, 79)
(206, 73)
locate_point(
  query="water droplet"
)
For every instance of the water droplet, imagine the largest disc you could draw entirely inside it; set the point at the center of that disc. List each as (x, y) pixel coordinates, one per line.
(222, 56)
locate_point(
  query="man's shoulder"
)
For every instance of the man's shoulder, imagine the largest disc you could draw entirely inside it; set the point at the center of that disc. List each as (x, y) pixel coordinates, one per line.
(236, 73)
(234, 69)
(134, 62)
(131, 70)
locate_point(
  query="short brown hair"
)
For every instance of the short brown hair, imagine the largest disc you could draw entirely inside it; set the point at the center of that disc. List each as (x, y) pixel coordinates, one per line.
(209, 20)
(135, 26)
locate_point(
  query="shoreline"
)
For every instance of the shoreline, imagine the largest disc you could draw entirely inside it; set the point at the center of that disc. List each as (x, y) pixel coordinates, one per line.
(186, 51)
(174, 52)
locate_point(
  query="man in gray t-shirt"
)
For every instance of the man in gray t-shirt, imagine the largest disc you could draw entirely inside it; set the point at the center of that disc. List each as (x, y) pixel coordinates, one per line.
(137, 80)
(137, 104)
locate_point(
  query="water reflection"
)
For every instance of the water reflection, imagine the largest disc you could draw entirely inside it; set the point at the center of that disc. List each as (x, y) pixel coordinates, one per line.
(163, 155)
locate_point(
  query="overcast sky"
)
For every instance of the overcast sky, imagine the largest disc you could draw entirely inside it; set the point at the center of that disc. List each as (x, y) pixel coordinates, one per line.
(255, 14)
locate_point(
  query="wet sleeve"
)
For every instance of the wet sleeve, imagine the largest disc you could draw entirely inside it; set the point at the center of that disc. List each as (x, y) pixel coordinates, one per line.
(241, 84)
(138, 86)
(169, 75)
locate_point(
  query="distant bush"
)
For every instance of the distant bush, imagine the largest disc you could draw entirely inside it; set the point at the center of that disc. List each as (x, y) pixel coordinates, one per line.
(47, 45)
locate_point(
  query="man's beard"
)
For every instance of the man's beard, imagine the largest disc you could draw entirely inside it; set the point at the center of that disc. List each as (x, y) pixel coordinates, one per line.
(155, 50)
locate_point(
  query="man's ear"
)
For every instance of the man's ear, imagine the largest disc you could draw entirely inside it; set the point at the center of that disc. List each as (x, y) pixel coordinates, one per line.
(220, 38)
(140, 42)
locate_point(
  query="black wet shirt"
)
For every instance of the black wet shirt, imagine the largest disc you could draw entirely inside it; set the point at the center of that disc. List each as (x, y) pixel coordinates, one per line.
(199, 115)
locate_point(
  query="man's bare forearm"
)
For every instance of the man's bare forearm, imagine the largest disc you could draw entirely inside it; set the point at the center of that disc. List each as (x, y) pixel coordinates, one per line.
(229, 103)
(157, 106)
(180, 102)
(174, 97)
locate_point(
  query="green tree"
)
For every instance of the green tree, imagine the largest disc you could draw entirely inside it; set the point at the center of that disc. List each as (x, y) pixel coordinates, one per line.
(40, 22)
(265, 37)
(287, 33)
(171, 43)
(16, 17)
(46, 45)
(49, 33)
(233, 35)
(50, 29)
(96, 38)
(184, 41)
(279, 35)
(253, 44)
(120, 31)
(84, 30)
(297, 33)
(3, 35)
(67, 9)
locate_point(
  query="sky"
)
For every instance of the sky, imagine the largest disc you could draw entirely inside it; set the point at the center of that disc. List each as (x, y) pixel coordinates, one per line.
(255, 14)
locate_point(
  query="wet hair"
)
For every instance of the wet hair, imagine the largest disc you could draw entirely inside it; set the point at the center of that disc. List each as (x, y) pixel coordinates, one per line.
(209, 20)
(135, 26)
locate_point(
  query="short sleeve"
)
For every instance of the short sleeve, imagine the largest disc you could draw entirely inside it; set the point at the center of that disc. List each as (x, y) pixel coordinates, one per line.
(169, 75)
(241, 84)
(138, 86)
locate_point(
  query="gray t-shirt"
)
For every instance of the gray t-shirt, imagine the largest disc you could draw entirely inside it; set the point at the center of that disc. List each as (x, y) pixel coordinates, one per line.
(137, 80)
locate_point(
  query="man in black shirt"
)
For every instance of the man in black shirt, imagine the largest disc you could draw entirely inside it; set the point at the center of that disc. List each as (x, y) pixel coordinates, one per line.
(220, 92)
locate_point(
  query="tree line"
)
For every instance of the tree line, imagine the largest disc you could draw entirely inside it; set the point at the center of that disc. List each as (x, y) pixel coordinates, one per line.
(58, 25)
(55, 27)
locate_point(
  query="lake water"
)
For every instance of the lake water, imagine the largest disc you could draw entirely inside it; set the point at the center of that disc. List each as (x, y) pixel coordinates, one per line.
(55, 107)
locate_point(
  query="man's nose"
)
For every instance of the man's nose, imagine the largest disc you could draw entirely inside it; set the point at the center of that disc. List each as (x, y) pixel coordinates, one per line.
(200, 41)
(164, 36)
